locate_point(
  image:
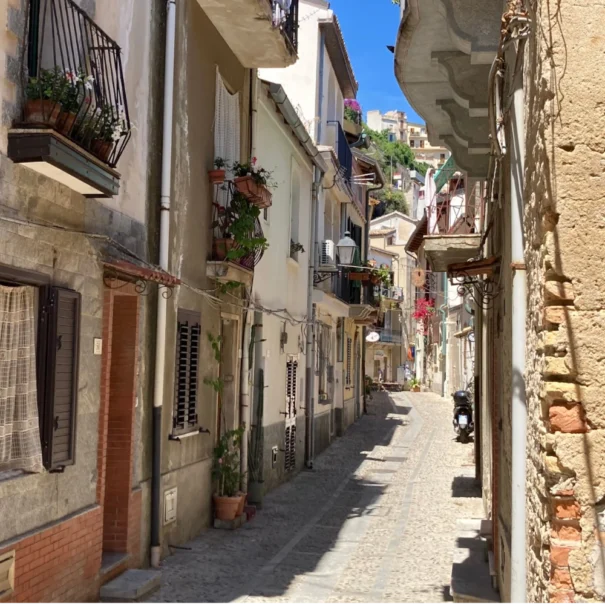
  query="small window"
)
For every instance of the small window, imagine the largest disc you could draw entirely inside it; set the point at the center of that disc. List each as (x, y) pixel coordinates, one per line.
(422, 144)
(390, 240)
(186, 382)
(411, 143)
(42, 390)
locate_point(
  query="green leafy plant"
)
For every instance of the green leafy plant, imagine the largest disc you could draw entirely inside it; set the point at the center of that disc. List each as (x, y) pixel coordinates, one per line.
(226, 463)
(383, 274)
(414, 382)
(49, 86)
(228, 287)
(219, 163)
(106, 123)
(215, 343)
(295, 247)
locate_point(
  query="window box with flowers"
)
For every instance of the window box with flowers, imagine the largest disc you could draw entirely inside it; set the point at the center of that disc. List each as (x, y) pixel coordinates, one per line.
(254, 183)
(353, 117)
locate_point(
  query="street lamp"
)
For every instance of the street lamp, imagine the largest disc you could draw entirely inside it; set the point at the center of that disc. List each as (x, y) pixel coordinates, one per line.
(346, 248)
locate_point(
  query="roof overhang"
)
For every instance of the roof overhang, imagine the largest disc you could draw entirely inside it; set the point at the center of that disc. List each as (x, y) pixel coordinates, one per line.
(443, 56)
(335, 45)
(417, 236)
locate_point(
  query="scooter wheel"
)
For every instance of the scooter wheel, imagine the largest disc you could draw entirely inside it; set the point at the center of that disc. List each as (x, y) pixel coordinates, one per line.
(463, 437)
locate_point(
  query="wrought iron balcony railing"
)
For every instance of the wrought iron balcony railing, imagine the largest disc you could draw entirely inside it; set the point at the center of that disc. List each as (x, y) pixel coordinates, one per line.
(285, 16)
(76, 82)
(237, 233)
(343, 151)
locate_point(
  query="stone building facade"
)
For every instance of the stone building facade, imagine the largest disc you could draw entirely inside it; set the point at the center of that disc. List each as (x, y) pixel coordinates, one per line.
(539, 322)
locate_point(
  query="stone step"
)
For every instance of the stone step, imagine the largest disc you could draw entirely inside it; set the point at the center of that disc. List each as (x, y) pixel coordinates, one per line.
(133, 586)
(471, 581)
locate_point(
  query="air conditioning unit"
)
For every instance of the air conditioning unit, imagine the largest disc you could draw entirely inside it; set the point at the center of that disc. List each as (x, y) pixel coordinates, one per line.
(327, 257)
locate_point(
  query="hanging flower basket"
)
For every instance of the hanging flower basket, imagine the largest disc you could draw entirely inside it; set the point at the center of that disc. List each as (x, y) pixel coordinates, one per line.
(359, 276)
(254, 192)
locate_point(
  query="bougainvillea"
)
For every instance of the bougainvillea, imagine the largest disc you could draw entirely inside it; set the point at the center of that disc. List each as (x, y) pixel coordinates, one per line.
(353, 111)
(425, 309)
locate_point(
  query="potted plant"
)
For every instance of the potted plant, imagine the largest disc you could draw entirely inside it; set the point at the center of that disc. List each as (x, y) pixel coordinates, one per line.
(254, 183)
(415, 385)
(228, 500)
(217, 176)
(43, 97)
(73, 98)
(295, 248)
(103, 127)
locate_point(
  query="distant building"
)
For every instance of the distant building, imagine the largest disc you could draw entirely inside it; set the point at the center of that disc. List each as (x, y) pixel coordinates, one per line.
(414, 134)
(396, 122)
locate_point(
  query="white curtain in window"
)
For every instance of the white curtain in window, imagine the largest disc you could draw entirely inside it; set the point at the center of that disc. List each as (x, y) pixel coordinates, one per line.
(226, 123)
(20, 447)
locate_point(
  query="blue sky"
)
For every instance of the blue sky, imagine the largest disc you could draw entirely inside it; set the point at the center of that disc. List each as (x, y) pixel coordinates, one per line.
(368, 27)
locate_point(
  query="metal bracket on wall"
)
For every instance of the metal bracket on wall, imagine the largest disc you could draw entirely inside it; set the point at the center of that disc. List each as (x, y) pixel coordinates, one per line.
(475, 279)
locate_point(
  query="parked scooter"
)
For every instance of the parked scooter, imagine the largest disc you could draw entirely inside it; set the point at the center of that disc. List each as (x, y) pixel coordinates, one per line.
(463, 415)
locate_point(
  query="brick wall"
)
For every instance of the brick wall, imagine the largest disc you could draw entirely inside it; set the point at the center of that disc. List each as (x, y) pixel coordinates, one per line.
(59, 563)
(565, 205)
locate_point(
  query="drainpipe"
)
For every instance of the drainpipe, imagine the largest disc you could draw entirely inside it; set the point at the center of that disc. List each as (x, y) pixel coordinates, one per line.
(245, 410)
(311, 337)
(519, 302)
(442, 310)
(160, 347)
(320, 94)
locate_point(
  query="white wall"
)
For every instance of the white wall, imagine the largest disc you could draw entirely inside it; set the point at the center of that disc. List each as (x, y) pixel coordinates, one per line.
(279, 281)
(300, 81)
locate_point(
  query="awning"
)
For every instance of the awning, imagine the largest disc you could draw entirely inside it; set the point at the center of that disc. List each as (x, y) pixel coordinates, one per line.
(417, 236)
(130, 271)
(445, 173)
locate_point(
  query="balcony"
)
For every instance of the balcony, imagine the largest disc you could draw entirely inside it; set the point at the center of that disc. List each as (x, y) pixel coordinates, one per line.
(455, 224)
(238, 242)
(75, 124)
(261, 33)
(387, 336)
(443, 56)
(337, 139)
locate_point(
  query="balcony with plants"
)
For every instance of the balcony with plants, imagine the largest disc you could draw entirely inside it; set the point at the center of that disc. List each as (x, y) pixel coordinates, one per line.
(238, 242)
(260, 33)
(75, 123)
(353, 117)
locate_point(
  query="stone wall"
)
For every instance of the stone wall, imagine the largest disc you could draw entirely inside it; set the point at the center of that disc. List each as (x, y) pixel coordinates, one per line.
(564, 210)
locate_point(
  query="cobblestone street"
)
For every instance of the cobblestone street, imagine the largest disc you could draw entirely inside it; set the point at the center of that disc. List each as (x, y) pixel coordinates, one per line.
(374, 522)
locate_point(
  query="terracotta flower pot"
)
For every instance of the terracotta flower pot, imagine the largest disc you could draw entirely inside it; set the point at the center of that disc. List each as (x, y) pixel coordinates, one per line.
(221, 247)
(41, 111)
(255, 193)
(217, 177)
(65, 122)
(102, 149)
(416, 389)
(225, 507)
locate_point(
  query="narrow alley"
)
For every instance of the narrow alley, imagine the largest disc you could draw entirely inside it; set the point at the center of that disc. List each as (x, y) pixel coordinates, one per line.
(374, 522)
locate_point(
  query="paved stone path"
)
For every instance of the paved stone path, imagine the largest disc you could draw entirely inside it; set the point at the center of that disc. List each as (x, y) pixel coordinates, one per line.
(373, 522)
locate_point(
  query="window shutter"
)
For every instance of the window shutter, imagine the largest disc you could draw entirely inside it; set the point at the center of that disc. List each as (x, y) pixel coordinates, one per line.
(186, 371)
(349, 353)
(291, 399)
(59, 340)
